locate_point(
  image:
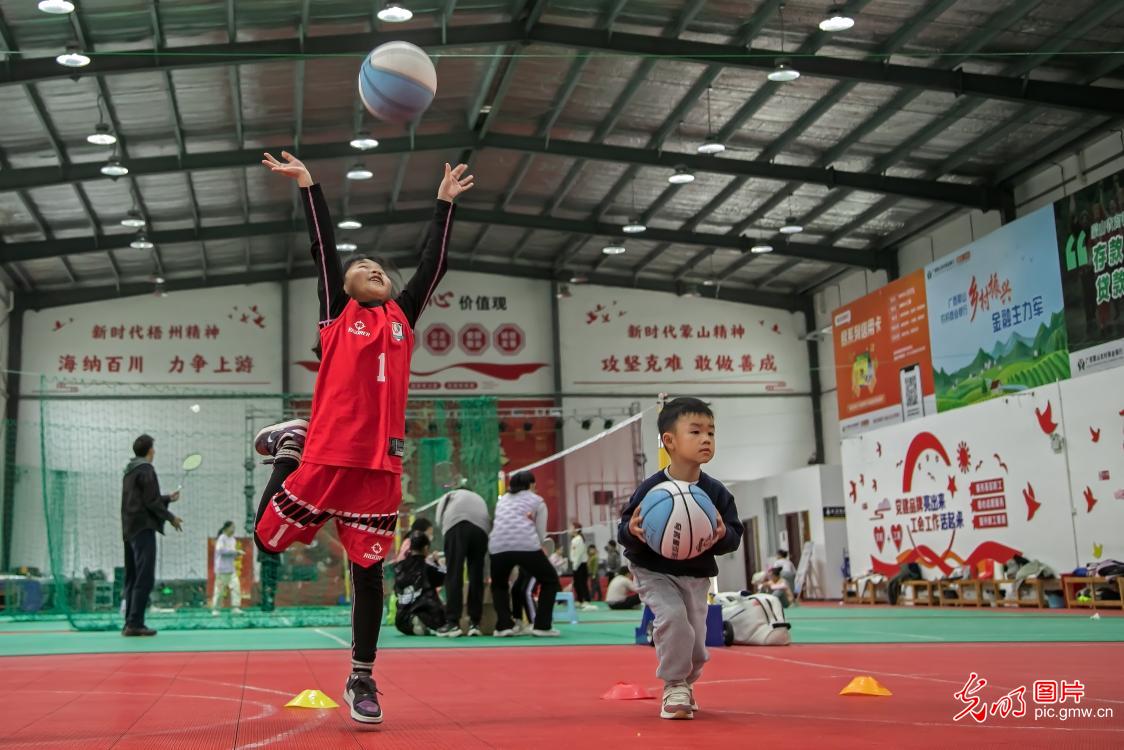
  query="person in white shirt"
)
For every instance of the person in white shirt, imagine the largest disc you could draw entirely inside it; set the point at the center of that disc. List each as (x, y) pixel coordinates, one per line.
(518, 533)
(579, 561)
(788, 570)
(226, 578)
(621, 592)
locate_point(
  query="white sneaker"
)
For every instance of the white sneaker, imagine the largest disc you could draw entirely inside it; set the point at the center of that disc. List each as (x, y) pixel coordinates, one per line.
(473, 631)
(587, 607)
(214, 613)
(521, 628)
(676, 702)
(552, 633)
(694, 704)
(504, 633)
(236, 610)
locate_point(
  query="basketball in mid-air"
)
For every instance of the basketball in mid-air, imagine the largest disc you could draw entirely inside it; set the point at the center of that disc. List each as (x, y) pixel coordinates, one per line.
(397, 82)
(678, 518)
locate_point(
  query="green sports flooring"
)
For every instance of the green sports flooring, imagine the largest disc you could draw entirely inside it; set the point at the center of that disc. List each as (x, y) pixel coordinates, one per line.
(810, 624)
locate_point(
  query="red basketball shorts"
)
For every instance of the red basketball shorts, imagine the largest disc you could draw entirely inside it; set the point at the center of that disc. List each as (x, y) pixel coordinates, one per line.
(364, 503)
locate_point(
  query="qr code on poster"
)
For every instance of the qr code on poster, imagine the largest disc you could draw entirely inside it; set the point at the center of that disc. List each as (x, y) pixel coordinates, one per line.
(911, 392)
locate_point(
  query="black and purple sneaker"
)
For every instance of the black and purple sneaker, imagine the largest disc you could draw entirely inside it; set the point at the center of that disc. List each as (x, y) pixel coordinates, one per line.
(362, 696)
(270, 439)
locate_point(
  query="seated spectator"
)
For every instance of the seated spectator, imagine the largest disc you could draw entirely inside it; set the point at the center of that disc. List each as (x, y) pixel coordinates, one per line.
(788, 570)
(621, 591)
(423, 525)
(557, 559)
(776, 585)
(416, 579)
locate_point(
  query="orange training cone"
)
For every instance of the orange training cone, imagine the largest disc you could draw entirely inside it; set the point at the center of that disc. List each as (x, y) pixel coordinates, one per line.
(311, 699)
(626, 691)
(865, 685)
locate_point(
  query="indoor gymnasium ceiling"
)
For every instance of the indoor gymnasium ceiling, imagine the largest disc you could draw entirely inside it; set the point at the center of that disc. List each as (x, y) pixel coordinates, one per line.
(573, 114)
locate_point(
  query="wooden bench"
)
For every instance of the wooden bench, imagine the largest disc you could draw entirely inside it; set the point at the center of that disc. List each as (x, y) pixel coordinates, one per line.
(1071, 585)
(1037, 588)
(867, 593)
(917, 588)
(963, 587)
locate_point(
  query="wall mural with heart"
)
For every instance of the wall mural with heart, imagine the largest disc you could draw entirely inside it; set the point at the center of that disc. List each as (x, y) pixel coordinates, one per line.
(962, 488)
(1039, 473)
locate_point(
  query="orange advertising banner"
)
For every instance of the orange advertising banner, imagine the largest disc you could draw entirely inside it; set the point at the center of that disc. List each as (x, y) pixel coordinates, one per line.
(883, 367)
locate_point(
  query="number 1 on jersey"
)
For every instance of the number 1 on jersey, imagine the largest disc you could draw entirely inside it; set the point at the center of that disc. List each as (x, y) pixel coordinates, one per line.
(382, 368)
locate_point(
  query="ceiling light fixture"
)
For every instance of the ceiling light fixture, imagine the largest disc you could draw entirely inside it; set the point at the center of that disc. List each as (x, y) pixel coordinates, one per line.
(141, 242)
(359, 172)
(56, 7)
(350, 223)
(681, 176)
(614, 249)
(346, 247)
(102, 136)
(711, 145)
(578, 279)
(634, 225)
(836, 20)
(72, 58)
(395, 13)
(364, 142)
(114, 168)
(783, 73)
(133, 220)
(708, 282)
(761, 247)
(791, 226)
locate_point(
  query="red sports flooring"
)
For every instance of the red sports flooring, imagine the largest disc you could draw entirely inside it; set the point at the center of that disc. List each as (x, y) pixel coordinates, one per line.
(549, 698)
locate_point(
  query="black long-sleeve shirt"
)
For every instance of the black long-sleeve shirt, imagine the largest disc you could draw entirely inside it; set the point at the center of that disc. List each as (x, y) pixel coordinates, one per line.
(433, 264)
(703, 566)
(142, 505)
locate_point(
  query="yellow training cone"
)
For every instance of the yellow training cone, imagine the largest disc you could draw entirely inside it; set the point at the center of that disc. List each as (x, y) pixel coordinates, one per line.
(312, 699)
(864, 685)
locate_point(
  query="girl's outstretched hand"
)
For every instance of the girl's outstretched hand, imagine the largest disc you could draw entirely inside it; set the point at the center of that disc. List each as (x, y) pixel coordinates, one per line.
(292, 167)
(453, 183)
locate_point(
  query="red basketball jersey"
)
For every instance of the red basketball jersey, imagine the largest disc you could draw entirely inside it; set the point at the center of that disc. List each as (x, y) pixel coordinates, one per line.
(359, 402)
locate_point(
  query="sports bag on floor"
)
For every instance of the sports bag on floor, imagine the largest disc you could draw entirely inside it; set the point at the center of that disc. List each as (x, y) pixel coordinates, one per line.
(753, 619)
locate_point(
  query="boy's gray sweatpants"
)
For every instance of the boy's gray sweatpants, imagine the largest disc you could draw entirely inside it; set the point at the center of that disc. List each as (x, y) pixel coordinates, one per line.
(679, 605)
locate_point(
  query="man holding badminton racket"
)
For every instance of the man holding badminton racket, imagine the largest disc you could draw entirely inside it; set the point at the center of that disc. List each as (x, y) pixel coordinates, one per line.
(143, 513)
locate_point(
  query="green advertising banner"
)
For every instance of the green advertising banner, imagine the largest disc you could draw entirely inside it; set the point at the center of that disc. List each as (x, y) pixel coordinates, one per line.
(1090, 231)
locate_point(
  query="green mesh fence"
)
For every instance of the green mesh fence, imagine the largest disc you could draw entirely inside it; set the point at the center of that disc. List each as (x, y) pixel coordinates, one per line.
(464, 434)
(66, 555)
